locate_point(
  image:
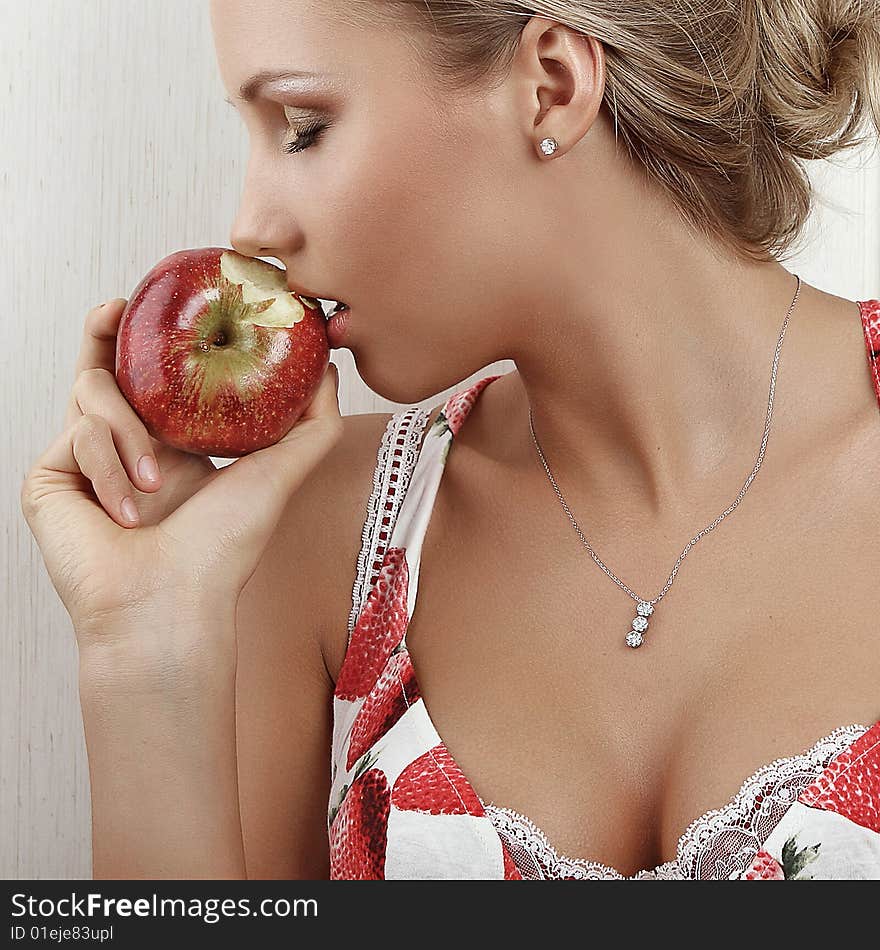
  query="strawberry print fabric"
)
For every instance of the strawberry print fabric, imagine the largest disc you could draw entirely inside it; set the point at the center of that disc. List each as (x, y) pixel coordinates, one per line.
(871, 323)
(400, 807)
(832, 831)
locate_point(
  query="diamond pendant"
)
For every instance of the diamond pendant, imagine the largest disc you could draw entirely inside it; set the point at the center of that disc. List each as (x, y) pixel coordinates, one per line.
(639, 624)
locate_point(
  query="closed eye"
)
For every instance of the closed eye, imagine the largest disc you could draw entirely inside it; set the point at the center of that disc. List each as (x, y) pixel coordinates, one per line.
(302, 138)
(305, 137)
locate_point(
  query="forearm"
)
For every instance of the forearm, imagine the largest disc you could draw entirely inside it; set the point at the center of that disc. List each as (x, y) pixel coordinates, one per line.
(163, 770)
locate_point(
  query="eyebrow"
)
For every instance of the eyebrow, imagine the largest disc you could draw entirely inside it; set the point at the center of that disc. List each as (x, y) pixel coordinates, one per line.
(251, 87)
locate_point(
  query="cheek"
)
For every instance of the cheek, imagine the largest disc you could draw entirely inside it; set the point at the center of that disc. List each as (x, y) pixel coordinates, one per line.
(422, 229)
(414, 228)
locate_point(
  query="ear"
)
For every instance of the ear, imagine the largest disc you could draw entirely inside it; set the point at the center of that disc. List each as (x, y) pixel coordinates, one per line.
(560, 77)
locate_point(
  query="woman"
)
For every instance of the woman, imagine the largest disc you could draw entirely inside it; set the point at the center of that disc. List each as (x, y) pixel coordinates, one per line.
(602, 192)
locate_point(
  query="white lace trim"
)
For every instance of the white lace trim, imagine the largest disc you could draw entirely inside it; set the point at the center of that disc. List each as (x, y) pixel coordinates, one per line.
(396, 459)
(719, 844)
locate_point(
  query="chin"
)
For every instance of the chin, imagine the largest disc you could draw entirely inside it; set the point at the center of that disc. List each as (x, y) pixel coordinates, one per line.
(408, 383)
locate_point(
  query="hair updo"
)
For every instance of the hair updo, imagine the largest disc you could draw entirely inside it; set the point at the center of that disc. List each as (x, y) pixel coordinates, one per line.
(720, 100)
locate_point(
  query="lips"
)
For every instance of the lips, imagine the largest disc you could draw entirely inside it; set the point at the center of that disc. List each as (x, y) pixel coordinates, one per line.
(335, 305)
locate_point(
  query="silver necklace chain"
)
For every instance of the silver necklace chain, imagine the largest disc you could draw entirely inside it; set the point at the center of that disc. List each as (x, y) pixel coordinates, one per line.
(646, 607)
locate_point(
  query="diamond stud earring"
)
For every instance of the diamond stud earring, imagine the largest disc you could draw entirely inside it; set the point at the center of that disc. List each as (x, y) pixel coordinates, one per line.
(549, 146)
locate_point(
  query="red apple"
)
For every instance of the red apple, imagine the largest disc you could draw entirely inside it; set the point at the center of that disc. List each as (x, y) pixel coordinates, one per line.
(216, 355)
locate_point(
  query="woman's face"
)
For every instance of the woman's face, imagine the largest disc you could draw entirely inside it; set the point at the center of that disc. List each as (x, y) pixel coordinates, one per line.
(405, 205)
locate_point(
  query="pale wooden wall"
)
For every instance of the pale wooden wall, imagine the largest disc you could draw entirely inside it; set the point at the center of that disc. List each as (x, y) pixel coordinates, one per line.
(116, 149)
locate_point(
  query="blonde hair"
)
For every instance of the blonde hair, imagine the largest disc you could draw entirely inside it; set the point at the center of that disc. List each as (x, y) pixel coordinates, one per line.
(720, 100)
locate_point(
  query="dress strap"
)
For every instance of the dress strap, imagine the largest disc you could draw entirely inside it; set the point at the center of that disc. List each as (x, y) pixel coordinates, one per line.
(870, 310)
(395, 461)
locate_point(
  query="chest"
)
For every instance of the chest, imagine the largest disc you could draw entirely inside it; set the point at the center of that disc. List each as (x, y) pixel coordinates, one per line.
(764, 643)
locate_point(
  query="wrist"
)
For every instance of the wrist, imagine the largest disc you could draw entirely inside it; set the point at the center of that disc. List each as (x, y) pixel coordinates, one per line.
(157, 657)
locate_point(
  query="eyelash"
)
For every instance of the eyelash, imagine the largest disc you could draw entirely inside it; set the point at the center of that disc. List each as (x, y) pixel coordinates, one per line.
(311, 134)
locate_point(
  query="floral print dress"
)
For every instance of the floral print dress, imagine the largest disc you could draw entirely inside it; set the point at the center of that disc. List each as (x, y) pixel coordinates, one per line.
(400, 806)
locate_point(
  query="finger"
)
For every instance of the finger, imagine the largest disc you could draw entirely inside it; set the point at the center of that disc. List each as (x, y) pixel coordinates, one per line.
(87, 449)
(98, 346)
(96, 392)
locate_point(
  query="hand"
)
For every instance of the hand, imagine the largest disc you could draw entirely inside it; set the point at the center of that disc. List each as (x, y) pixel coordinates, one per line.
(201, 531)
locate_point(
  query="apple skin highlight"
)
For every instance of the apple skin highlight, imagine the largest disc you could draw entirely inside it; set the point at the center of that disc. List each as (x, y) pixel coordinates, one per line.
(218, 366)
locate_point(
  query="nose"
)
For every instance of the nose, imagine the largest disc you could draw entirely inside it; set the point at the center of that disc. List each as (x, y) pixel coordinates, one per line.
(247, 237)
(262, 226)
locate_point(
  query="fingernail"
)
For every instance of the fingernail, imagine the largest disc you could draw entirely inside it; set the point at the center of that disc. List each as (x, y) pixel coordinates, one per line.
(147, 468)
(129, 510)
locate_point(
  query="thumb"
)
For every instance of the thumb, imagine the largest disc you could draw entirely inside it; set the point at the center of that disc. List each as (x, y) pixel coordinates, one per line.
(324, 404)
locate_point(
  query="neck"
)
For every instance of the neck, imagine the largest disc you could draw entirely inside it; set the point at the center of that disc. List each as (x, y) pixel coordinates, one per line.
(654, 381)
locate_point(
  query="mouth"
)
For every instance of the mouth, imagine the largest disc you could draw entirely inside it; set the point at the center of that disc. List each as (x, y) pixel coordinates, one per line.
(328, 305)
(337, 307)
